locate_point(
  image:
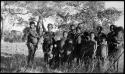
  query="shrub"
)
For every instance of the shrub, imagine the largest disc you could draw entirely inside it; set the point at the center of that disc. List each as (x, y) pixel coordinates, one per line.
(12, 37)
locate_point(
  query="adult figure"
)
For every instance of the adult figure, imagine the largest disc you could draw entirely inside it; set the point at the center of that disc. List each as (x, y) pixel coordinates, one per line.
(32, 41)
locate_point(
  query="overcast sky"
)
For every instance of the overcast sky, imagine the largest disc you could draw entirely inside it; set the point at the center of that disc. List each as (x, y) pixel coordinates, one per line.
(118, 5)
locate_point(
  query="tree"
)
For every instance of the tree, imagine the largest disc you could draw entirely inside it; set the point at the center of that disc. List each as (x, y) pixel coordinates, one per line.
(112, 14)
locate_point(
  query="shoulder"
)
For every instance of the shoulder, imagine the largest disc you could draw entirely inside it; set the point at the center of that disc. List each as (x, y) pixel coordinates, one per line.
(30, 30)
(52, 33)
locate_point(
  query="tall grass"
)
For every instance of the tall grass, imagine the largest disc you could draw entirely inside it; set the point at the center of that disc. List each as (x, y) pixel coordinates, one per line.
(17, 63)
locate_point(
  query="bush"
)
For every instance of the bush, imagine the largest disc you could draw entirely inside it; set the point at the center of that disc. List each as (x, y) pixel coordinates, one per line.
(25, 33)
(12, 37)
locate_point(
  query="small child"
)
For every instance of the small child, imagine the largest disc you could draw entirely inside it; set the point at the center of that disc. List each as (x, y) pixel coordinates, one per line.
(104, 48)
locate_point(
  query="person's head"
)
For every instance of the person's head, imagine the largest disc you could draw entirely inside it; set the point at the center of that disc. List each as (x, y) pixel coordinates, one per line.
(108, 23)
(50, 26)
(99, 28)
(72, 27)
(86, 33)
(65, 34)
(80, 25)
(112, 28)
(78, 29)
(32, 24)
(95, 18)
(119, 31)
(103, 38)
(92, 35)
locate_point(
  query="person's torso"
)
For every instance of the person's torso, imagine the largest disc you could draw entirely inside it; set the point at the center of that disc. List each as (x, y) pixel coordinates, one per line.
(78, 38)
(71, 34)
(48, 37)
(99, 38)
(111, 38)
(31, 38)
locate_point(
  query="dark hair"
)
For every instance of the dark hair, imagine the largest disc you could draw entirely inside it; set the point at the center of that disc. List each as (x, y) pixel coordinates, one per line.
(99, 27)
(64, 32)
(86, 33)
(91, 33)
(79, 24)
(71, 25)
(103, 37)
(49, 25)
(114, 27)
(77, 28)
(32, 22)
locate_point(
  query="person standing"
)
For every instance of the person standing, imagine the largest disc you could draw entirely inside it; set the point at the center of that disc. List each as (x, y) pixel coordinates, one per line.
(71, 33)
(78, 41)
(32, 41)
(120, 48)
(112, 43)
(48, 42)
(99, 36)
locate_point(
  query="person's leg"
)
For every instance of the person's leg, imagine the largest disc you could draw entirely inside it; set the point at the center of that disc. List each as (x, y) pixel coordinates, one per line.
(29, 57)
(33, 53)
(45, 57)
(29, 53)
(44, 51)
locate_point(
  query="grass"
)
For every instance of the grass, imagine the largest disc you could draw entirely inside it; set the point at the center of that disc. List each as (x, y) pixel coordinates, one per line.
(13, 60)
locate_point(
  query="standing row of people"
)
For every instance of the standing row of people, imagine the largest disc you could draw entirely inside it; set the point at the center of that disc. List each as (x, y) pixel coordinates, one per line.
(73, 44)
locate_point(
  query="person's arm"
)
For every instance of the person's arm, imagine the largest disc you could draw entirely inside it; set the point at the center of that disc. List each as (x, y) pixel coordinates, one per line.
(79, 39)
(106, 48)
(45, 34)
(44, 30)
(95, 49)
(38, 26)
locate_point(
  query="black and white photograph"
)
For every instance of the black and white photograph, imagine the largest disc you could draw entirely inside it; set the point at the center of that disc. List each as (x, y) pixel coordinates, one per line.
(62, 37)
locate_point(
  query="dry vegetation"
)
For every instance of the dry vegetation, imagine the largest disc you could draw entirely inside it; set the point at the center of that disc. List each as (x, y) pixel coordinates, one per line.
(13, 59)
(13, 55)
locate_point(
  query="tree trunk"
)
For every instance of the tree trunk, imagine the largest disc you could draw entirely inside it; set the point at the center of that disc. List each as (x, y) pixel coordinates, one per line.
(2, 23)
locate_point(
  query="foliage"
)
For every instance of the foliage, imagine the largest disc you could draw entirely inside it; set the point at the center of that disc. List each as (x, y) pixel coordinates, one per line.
(25, 33)
(85, 11)
(111, 14)
(12, 37)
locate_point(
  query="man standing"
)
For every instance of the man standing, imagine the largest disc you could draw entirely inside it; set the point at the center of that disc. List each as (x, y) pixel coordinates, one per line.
(32, 42)
(112, 42)
(71, 33)
(48, 42)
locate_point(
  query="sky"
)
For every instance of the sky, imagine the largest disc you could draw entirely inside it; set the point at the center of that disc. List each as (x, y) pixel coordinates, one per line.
(118, 5)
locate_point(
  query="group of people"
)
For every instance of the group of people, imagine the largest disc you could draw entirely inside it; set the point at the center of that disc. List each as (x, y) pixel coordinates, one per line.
(75, 44)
